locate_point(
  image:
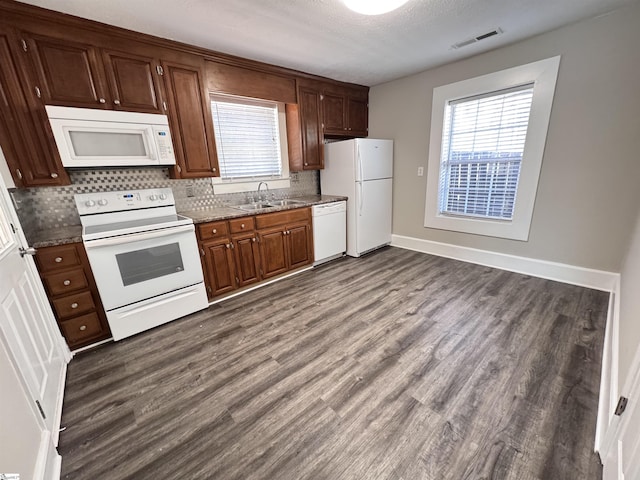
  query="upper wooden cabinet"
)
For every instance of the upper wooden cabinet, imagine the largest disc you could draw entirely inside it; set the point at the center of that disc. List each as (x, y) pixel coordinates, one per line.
(24, 130)
(134, 82)
(190, 121)
(304, 131)
(68, 73)
(345, 112)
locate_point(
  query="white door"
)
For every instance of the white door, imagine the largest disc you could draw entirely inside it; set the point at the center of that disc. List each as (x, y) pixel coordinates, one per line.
(621, 457)
(373, 215)
(27, 325)
(374, 159)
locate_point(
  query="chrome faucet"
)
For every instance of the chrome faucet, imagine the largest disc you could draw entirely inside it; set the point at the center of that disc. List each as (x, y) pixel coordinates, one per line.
(259, 187)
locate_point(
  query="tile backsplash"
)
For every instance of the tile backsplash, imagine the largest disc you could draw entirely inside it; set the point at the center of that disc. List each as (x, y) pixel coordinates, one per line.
(52, 207)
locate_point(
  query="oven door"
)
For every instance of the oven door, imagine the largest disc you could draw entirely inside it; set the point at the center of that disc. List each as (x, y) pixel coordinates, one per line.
(131, 268)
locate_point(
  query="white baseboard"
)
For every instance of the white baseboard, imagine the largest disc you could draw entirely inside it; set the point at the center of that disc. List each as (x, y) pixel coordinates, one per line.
(584, 277)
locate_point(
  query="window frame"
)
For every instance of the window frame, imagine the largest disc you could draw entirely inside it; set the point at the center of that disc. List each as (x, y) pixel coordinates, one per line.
(543, 75)
(248, 184)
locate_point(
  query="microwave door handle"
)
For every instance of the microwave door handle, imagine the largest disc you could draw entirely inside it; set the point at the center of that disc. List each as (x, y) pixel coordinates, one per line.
(137, 237)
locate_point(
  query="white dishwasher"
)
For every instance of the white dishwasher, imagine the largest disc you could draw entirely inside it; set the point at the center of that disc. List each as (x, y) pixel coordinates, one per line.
(329, 231)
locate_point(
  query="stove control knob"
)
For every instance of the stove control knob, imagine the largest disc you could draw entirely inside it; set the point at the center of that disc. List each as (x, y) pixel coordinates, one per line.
(163, 196)
(153, 198)
(90, 203)
(102, 202)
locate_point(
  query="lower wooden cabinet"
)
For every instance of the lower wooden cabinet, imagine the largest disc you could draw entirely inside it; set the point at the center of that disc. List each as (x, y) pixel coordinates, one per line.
(249, 249)
(71, 288)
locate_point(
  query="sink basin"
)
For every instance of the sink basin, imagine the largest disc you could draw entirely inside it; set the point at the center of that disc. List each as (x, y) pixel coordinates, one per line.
(254, 206)
(285, 202)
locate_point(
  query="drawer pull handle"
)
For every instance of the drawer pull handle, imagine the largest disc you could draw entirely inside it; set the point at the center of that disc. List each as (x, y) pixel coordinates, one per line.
(74, 305)
(83, 328)
(215, 230)
(58, 259)
(66, 283)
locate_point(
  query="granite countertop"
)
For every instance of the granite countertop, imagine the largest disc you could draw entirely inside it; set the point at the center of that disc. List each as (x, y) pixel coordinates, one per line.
(55, 236)
(73, 233)
(213, 214)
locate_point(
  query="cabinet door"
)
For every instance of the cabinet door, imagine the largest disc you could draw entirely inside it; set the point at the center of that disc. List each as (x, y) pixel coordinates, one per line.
(69, 73)
(247, 256)
(311, 129)
(134, 82)
(334, 113)
(358, 117)
(273, 251)
(299, 245)
(30, 154)
(191, 122)
(219, 267)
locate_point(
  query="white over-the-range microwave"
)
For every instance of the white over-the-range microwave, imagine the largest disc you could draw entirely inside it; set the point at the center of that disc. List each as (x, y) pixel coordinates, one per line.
(106, 138)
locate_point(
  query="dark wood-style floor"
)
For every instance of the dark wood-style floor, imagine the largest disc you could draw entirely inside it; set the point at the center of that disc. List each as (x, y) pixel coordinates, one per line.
(398, 365)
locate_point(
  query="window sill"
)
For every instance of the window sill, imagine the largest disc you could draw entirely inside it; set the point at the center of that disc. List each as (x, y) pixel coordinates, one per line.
(513, 230)
(225, 186)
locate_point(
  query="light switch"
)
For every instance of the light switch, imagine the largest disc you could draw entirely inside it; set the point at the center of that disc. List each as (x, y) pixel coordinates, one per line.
(420, 171)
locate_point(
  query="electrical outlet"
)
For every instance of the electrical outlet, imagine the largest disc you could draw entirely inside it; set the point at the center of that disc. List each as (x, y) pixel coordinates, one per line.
(190, 192)
(420, 171)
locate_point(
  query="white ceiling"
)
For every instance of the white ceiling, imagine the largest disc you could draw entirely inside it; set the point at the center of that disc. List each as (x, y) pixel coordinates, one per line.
(325, 38)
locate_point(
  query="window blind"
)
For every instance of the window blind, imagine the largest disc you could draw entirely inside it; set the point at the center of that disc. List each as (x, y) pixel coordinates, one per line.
(482, 146)
(247, 138)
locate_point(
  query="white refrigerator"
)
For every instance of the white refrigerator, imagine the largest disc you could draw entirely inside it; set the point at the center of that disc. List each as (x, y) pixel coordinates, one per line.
(362, 170)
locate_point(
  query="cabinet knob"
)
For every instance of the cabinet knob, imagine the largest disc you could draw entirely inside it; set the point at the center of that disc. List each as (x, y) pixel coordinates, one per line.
(74, 305)
(58, 259)
(242, 225)
(306, 164)
(214, 231)
(83, 328)
(214, 169)
(228, 246)
(116, 102)
(54, 175)
(66, 283)
(253, 239)
(102, 100)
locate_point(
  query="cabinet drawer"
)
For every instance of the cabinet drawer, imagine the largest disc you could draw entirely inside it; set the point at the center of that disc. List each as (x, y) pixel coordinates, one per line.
(207, 231)
(66, 282)
(241, 225)
(282, 218)
(57, 258)
(74, 304)
(82, 328)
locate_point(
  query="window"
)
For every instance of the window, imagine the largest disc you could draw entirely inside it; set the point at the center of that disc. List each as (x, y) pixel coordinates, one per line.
(247, 138)
(487, 141)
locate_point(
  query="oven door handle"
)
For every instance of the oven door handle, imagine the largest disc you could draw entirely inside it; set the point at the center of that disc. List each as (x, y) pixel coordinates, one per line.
(137, 237)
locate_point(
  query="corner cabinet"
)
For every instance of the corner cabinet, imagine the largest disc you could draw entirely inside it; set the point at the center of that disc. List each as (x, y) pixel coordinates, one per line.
(243, 251)
(73, 294)
(190, 120)
(25, 135)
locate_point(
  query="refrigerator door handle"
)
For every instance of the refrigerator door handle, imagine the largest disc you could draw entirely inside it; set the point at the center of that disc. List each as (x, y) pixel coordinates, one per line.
(361, 198)
(360, 164)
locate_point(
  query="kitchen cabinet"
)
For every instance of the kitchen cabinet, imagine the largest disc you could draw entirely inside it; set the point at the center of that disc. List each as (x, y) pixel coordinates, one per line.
(245, 249)
(345, 112)
(73, 294)
(134, 82)
(285, 240)
(190, 120)
(304, 131)
(68, 73)
(24, 130)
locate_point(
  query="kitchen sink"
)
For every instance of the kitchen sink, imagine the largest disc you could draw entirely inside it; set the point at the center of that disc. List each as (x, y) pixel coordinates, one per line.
(286, 202)
(255, 206)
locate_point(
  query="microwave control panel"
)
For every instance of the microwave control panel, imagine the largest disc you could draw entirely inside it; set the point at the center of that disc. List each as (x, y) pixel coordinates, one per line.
(165, 146)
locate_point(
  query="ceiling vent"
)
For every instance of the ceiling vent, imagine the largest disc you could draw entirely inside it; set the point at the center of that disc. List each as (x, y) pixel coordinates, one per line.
(464, 43)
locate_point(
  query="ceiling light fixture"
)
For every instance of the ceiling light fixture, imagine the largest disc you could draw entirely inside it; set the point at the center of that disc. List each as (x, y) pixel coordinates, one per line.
(373, 7)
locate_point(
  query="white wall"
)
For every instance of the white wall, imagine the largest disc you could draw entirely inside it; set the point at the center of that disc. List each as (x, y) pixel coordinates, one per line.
(589, 193)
